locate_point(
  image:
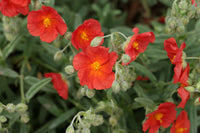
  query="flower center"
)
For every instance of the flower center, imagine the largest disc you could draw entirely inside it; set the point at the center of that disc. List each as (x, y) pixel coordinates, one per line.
(180, 130)
(84, 36)
(47, 22)
(96, 66)
(135, 45)
(173, 58)
(158, 116)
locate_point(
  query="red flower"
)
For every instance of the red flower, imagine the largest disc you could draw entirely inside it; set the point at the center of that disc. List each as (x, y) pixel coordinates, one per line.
(85, 33)
(185, 95)
(142, 78)
(182, 124)
(138, 44)
(181, 75)
(194, 2)
(59, 84)
(12, 8)
(173, 52)
(164, 115)
(46, 23)
(95, 67)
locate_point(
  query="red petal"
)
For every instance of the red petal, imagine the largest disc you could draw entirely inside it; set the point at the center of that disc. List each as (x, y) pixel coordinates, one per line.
(185, 95)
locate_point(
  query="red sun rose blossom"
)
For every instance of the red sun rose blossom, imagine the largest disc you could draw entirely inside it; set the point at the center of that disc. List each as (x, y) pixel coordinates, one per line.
(173, 52)
(46, 23)
(85, 33)
(182, 124)
(185, 95)
(12, 8)
(180, 74)
(194, 2)
(59, 84)
(94, 66)
(164, 115)
(138, 44)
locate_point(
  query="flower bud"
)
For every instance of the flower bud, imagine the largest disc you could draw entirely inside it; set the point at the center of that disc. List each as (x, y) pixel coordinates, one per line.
(185, 20)
(58, 55)
(172, 24)
(70, 129)
(197, 101)
(126, 43)
(113, 121)
(3, 119)
(115, 87)
(1, 107)
(24, 118)
(183, 5)
(125, 58)
(190, 88)
(96, 41)
(10, 107)
(86, 130)
(69, 69)
(181, 29)
(98, 120)
(124, 85)
(68, 35)
(83, 91)
(90, 93)
(21, 107)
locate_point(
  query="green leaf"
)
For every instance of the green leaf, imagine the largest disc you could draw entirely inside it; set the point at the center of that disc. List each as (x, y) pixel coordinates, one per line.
(8, 72)
(11, 46)
(49, 105)
(193, 118)
(144, 71)
(77, 20)
(50, 48)
(146, 102)
(139, 90)
(62, 118)
(36, 87)
(32, 80)
(123, 29)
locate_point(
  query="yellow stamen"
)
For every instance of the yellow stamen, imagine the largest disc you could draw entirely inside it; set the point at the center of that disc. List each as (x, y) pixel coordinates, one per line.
(135, 45)
(180, 130)
(158, 116)
(96, 66)
(173, 58)
(84, 36)
(47, 22)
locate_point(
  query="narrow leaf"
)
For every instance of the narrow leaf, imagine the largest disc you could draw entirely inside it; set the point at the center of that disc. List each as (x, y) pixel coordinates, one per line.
(36, 87)
(8, 72)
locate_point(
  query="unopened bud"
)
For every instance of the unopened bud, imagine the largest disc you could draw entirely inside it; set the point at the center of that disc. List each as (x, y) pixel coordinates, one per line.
(10, 107)
(24, 118)
(1, 107)
(181, 29)
(183, 5)
(98, 120)
(90, 93)
(96, 41)
(125, 44)
(68, 35)
(70, 129)
(197, 101)
(3, 119)
(124, 85)
(172, 24)
(190, 88)
(125, 58)
(113, 121)
(58, 55)
(115, 87)
(21, 107)
(86, 130)
(83, 91)
(184, 64)
(185, 20)
(69, 69)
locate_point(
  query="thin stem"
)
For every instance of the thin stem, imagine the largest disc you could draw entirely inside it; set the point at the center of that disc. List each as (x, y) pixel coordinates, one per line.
(21, 77)
(122, 35)
(66, 46)
(196, 58)
(76, 104)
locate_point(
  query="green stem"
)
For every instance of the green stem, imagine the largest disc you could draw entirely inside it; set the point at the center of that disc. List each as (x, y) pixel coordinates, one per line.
(21, 77)
(195, 58)
(76, 104)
